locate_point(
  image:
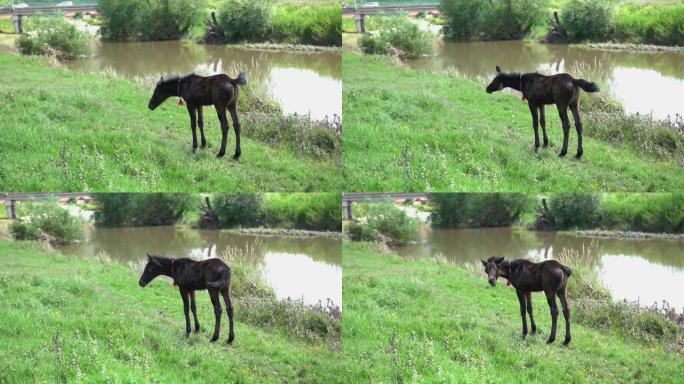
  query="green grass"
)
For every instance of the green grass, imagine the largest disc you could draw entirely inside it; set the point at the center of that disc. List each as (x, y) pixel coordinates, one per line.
(69, 320)
(422, 322)
(67, 131)
(413, 131)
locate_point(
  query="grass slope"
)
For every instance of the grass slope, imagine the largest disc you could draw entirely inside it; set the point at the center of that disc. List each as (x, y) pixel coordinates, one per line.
(65, 131)
(412, 131)
(65, 320)
(417, 321)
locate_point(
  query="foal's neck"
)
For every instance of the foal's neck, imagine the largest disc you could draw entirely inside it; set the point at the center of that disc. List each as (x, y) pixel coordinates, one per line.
(514, 81)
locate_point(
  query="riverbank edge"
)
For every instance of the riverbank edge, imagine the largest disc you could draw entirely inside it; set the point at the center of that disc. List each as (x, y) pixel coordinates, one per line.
(628, 234)
(293, 232)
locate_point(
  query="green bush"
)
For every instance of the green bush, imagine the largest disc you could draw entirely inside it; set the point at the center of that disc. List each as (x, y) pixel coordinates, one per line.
(246, 20)
(491, 20)
(54, 35)
(472, 210)
(575, 210)
(319, 24)
(138, 209)
(647, 212)
(649, 23)
(311, 211)
(400, 33)
(46, 221)
(587, 19)
(124, 20)
(383, 220)
(239, 209)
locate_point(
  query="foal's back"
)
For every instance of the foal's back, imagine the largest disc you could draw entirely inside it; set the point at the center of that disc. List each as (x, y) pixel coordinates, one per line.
(550, 89)
(537, 277)
(196, 275)
(211, 90)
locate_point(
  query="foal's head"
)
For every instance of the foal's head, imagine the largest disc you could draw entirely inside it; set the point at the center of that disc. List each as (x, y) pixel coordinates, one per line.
(498, 83)
(492, 269)
(153, 269)
(162, 91)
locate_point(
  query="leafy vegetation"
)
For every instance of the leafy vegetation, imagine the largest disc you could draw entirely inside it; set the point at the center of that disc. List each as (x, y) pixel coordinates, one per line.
(91, 321)
(85, 143)
(54, 36)
(650, 212)
(46, 221)
(472, 210)
(286, 22)
(437, 132)
(491, 20)
(138, 209)
(420, 321)
(575, 210)
(396, 35)
(125, 20)
(586, 19)
(382, 221)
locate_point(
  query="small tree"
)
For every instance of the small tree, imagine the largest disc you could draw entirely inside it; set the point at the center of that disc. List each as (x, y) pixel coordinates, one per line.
(245, 19)
(239, 209)
(575, 210)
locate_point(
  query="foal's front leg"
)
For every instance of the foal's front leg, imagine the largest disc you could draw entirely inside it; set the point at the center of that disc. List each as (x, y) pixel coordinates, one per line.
(193, 126)
(184, 295)
(542, 122)
(535, 123)
(200, 123)
(521, 299)
(528, 300)
(193, 307)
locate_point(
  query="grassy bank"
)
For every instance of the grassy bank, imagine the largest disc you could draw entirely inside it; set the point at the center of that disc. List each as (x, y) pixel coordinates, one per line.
(417, 321)
(66, 320)
(412, 131)
(66, 131)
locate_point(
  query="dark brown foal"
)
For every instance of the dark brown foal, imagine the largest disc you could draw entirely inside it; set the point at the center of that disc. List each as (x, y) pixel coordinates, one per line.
(540, 90)
(197, 91)
(190, 275)
(549, 276)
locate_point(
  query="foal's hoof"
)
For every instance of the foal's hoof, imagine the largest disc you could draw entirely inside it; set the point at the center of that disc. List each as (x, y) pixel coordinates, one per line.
(220, 154)
(566, 341)
(213, 339)
(236, 155)
(230, 339)
(550, 340)
(579, 155)
(562, 154)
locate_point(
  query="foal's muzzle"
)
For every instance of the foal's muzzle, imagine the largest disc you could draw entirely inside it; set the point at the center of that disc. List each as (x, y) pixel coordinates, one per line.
(492, 283)
(142, 283)
(151, 106)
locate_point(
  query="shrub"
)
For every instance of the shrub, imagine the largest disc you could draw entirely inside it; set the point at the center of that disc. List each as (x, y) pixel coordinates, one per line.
(454, 210)
(319, 24)
(651, 23)
(56, 36)
(243, 20)
(397, 33)
(149, 20)
(491, 20)
(46, 221)
(239, 209)
(587, 19)
(383, 220)
(575, 210)
(649, 212)
(311, 211)
(137, 209)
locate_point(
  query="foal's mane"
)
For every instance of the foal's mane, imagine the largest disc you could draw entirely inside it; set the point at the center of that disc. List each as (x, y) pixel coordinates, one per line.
(174, 79)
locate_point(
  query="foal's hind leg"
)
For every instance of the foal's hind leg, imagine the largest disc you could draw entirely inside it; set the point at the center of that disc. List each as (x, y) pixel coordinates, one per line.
(563, 113)
(236, 128)
(535, 123)
(225, 291)
(214, 295)
(221, 112)
(528, 300)
(578, 126)
(193, 126)
(542, 122)
(193, 307)
(551, 299)
(200, 123)
(566, 315)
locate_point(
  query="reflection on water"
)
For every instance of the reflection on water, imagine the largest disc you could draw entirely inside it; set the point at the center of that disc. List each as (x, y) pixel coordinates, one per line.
(307, 268)
(302, 82)
(643, 81)
(645, 270)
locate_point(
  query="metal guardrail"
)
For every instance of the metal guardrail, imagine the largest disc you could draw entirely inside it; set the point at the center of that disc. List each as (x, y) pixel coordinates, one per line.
(46, 9)
(390, 9)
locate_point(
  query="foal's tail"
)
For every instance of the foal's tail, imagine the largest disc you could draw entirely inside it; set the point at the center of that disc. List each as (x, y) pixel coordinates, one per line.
(587, 86)
(566, 270)
(240, 80)
(222, 281)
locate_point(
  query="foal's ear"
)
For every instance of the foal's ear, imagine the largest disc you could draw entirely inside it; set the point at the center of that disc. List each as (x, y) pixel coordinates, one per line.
(499, 260)
(483, 262)
(498, 69)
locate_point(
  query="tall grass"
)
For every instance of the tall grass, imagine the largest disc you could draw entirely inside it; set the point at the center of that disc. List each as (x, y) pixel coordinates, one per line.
(54, 36)
(46, 221)
(396, 35)
(384, 222)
